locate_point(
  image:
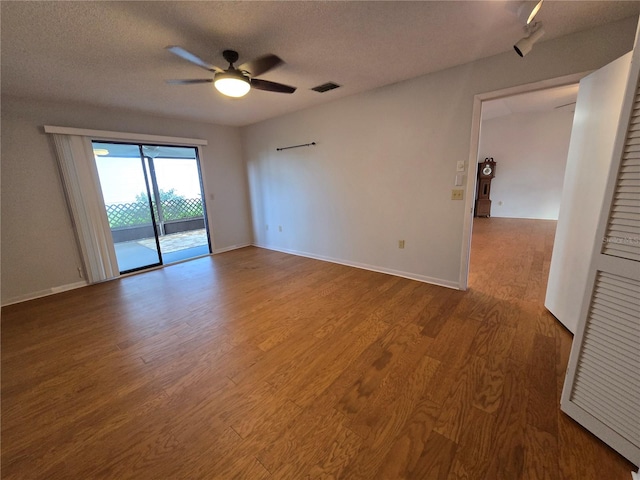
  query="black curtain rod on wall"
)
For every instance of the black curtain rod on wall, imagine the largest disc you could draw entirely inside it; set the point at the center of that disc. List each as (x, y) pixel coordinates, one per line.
(296, 146)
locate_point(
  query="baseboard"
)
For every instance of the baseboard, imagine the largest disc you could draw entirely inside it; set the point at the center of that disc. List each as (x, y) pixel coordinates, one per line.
(72, 286)
(364, 266)
(44, 293)
(232, 247)
(398, 273)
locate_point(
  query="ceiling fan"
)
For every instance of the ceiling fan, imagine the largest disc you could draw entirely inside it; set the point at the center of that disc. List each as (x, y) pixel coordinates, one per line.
(234, 81)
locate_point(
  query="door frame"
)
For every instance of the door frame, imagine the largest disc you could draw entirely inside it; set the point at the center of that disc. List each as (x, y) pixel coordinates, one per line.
(75, 157)
(147, 164)
(465, 254)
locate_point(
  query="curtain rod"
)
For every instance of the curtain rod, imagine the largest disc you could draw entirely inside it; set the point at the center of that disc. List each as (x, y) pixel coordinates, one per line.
(296, 146)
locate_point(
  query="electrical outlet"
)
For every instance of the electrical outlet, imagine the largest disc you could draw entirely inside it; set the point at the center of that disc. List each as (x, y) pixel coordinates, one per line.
(457, 194)
(279, 228)
(400, 243)
(80, 273)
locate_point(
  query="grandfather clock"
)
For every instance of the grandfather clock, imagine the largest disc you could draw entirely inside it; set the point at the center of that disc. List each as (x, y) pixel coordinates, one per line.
(486, 172)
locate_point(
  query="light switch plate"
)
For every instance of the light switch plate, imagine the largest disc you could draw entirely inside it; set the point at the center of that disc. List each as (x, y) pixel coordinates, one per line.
(460, 166)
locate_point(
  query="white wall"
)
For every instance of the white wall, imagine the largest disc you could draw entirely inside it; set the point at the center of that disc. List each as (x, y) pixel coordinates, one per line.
(39, 252)
(531, 153)
(385, 161)
(590, 154)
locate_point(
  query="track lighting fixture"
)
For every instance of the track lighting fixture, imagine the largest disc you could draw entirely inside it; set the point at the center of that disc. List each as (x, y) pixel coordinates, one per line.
(534, 33)
(528, 10)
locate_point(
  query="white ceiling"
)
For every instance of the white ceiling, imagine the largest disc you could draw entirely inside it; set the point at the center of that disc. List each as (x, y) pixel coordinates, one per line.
(112, 53)
(558, 98)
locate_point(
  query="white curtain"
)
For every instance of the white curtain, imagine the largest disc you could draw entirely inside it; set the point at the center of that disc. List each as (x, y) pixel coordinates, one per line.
(86, 204)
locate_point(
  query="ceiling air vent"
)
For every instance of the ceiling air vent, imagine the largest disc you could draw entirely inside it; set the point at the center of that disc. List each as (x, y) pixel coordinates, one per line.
(325, 87)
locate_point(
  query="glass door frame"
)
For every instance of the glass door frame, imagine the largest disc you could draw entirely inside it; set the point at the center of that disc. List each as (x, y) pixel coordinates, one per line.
(154, 182)
(153, 194)
(154, 221)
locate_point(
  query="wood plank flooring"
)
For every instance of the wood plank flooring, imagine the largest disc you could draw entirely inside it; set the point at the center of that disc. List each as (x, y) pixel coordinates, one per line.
(255, 364)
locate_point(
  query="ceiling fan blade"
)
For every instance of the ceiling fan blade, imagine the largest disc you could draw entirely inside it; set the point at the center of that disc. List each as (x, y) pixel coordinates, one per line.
(271, 86)
(261, 65)
(189, 82)
(190, 57)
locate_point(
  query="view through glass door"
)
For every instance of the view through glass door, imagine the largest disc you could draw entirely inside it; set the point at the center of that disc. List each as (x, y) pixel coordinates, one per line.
(154, 201)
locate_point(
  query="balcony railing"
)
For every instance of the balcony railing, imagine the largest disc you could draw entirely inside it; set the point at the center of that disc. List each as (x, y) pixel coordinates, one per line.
(132, 221)
(137, 213)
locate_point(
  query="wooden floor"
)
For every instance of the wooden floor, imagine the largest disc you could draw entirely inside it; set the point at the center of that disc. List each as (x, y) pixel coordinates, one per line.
(255, 364)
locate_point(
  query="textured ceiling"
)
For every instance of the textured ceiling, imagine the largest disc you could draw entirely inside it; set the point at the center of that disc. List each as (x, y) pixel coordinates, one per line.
(112, 53)
(559, 98)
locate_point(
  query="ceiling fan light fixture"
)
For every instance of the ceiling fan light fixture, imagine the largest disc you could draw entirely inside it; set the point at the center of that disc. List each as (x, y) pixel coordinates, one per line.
(232, 84)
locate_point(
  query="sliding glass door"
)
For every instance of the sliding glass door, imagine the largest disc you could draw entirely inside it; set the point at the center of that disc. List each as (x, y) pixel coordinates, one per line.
(154, 201)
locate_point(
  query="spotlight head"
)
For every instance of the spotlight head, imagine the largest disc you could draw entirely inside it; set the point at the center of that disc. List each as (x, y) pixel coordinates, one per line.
(525, 45)
(522, 49)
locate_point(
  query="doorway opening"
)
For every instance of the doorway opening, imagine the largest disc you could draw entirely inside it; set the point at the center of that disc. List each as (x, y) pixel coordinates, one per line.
(500, 103)
(527, 135)
(154, 202)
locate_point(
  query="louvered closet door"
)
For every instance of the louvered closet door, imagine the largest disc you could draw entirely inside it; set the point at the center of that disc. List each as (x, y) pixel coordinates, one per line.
(623, 229)
(602, 387)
